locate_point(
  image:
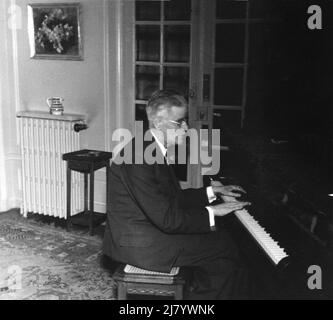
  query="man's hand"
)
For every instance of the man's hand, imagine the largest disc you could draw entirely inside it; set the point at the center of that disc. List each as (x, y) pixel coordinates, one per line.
(223, 209)
(215, 183)
(231, 191)
(228, 199)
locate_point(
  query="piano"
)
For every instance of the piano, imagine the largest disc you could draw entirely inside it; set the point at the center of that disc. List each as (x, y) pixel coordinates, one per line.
(278, 252)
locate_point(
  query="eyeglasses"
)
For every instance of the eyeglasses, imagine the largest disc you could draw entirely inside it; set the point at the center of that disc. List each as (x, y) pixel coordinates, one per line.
(179, 123)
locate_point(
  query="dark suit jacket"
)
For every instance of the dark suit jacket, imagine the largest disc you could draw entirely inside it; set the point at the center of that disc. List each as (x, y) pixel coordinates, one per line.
(149, 216)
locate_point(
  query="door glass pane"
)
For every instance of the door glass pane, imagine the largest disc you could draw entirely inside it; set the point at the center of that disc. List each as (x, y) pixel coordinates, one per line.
(140, 112)
(148, 10)
(177, 43)
(147, 43)
(177, 10)
(227, 9)
(147, 81)
(228, 88)
(258, 45)
(229, 42)
(229, 120)
(263, 9)
(177, 78)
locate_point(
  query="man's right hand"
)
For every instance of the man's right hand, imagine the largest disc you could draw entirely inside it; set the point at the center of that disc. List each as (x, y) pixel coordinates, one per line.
(223, 209)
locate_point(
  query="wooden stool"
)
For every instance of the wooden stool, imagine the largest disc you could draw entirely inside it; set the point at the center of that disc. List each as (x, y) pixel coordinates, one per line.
(86, 162)
(133, 280)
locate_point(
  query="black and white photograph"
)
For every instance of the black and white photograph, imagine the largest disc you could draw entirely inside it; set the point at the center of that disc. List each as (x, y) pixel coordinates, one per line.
(166, 150)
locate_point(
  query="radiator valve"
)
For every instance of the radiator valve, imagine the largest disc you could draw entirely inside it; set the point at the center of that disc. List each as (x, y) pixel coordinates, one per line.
(80, 126)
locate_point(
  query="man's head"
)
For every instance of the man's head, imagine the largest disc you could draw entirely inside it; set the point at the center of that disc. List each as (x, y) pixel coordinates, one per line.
(167, 112)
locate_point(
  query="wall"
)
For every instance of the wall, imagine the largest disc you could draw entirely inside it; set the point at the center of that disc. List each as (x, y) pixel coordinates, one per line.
(94, 87)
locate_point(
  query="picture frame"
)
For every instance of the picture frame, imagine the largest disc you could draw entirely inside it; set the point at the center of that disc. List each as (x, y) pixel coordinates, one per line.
(55, 31)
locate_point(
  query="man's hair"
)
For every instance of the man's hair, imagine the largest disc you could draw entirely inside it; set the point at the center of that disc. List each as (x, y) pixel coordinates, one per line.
(166, 98)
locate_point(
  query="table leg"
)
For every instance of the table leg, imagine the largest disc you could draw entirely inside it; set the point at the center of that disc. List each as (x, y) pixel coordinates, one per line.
(91, 200)
(86, 193)
(179, 292)
(68, 213)
(122, 291)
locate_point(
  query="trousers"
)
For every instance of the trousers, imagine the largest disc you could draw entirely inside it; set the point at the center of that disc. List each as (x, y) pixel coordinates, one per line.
(217, 270)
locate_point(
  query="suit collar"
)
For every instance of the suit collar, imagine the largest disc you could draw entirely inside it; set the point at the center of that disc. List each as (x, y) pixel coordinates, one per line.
(159, 143)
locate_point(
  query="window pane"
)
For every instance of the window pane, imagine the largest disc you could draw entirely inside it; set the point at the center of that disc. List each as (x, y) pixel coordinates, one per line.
(228, 86)
(147, 81)
(258, 8)
(140, 112)
(227, 120)
(259, 45)
(177, 10)
(264, 9)
(147, 43)
(177, 78)
(148, 10)
(259, 69)
(227, 9)
(177, 43)
(229, 42)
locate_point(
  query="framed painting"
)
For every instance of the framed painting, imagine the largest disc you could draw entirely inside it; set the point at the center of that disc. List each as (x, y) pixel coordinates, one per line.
(55, 31)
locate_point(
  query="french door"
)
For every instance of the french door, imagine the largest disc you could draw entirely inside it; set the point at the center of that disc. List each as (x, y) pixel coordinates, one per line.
(198, 47)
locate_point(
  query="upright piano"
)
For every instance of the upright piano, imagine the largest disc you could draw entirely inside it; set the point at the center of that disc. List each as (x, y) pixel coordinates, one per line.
(279, 252)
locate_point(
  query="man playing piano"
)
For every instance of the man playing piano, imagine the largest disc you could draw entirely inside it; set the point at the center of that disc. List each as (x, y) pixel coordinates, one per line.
(153, 224)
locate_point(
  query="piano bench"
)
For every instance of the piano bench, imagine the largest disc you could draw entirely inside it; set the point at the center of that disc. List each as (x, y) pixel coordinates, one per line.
(136, 281)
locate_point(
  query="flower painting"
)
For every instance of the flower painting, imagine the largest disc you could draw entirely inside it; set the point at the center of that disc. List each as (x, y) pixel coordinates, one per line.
(54, 31)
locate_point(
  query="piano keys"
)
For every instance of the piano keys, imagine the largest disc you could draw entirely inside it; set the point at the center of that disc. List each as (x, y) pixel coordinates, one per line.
(271, 247)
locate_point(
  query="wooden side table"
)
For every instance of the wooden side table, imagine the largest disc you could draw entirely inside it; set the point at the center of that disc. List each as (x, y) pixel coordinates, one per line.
(86, 162)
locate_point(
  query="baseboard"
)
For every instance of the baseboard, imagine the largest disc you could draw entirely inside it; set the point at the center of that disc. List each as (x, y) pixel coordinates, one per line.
(9, 203)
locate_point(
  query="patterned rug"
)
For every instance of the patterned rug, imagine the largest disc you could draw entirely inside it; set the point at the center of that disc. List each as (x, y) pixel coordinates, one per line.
(41, 261)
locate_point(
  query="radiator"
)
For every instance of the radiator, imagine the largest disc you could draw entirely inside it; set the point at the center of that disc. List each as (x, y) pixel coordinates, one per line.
(43, 140)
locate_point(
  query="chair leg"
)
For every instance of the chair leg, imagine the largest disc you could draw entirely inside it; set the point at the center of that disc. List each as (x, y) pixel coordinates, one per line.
(91, 215)
(122, 291)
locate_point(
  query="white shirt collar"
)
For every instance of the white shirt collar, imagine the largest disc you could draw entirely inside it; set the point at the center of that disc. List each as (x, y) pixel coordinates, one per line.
(160, 144)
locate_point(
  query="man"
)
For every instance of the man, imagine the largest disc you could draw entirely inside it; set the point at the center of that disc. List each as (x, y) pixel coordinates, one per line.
(153, 224)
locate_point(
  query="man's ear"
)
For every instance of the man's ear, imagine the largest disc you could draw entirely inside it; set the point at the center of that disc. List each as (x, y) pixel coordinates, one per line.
(149, 113)
(152, 117)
